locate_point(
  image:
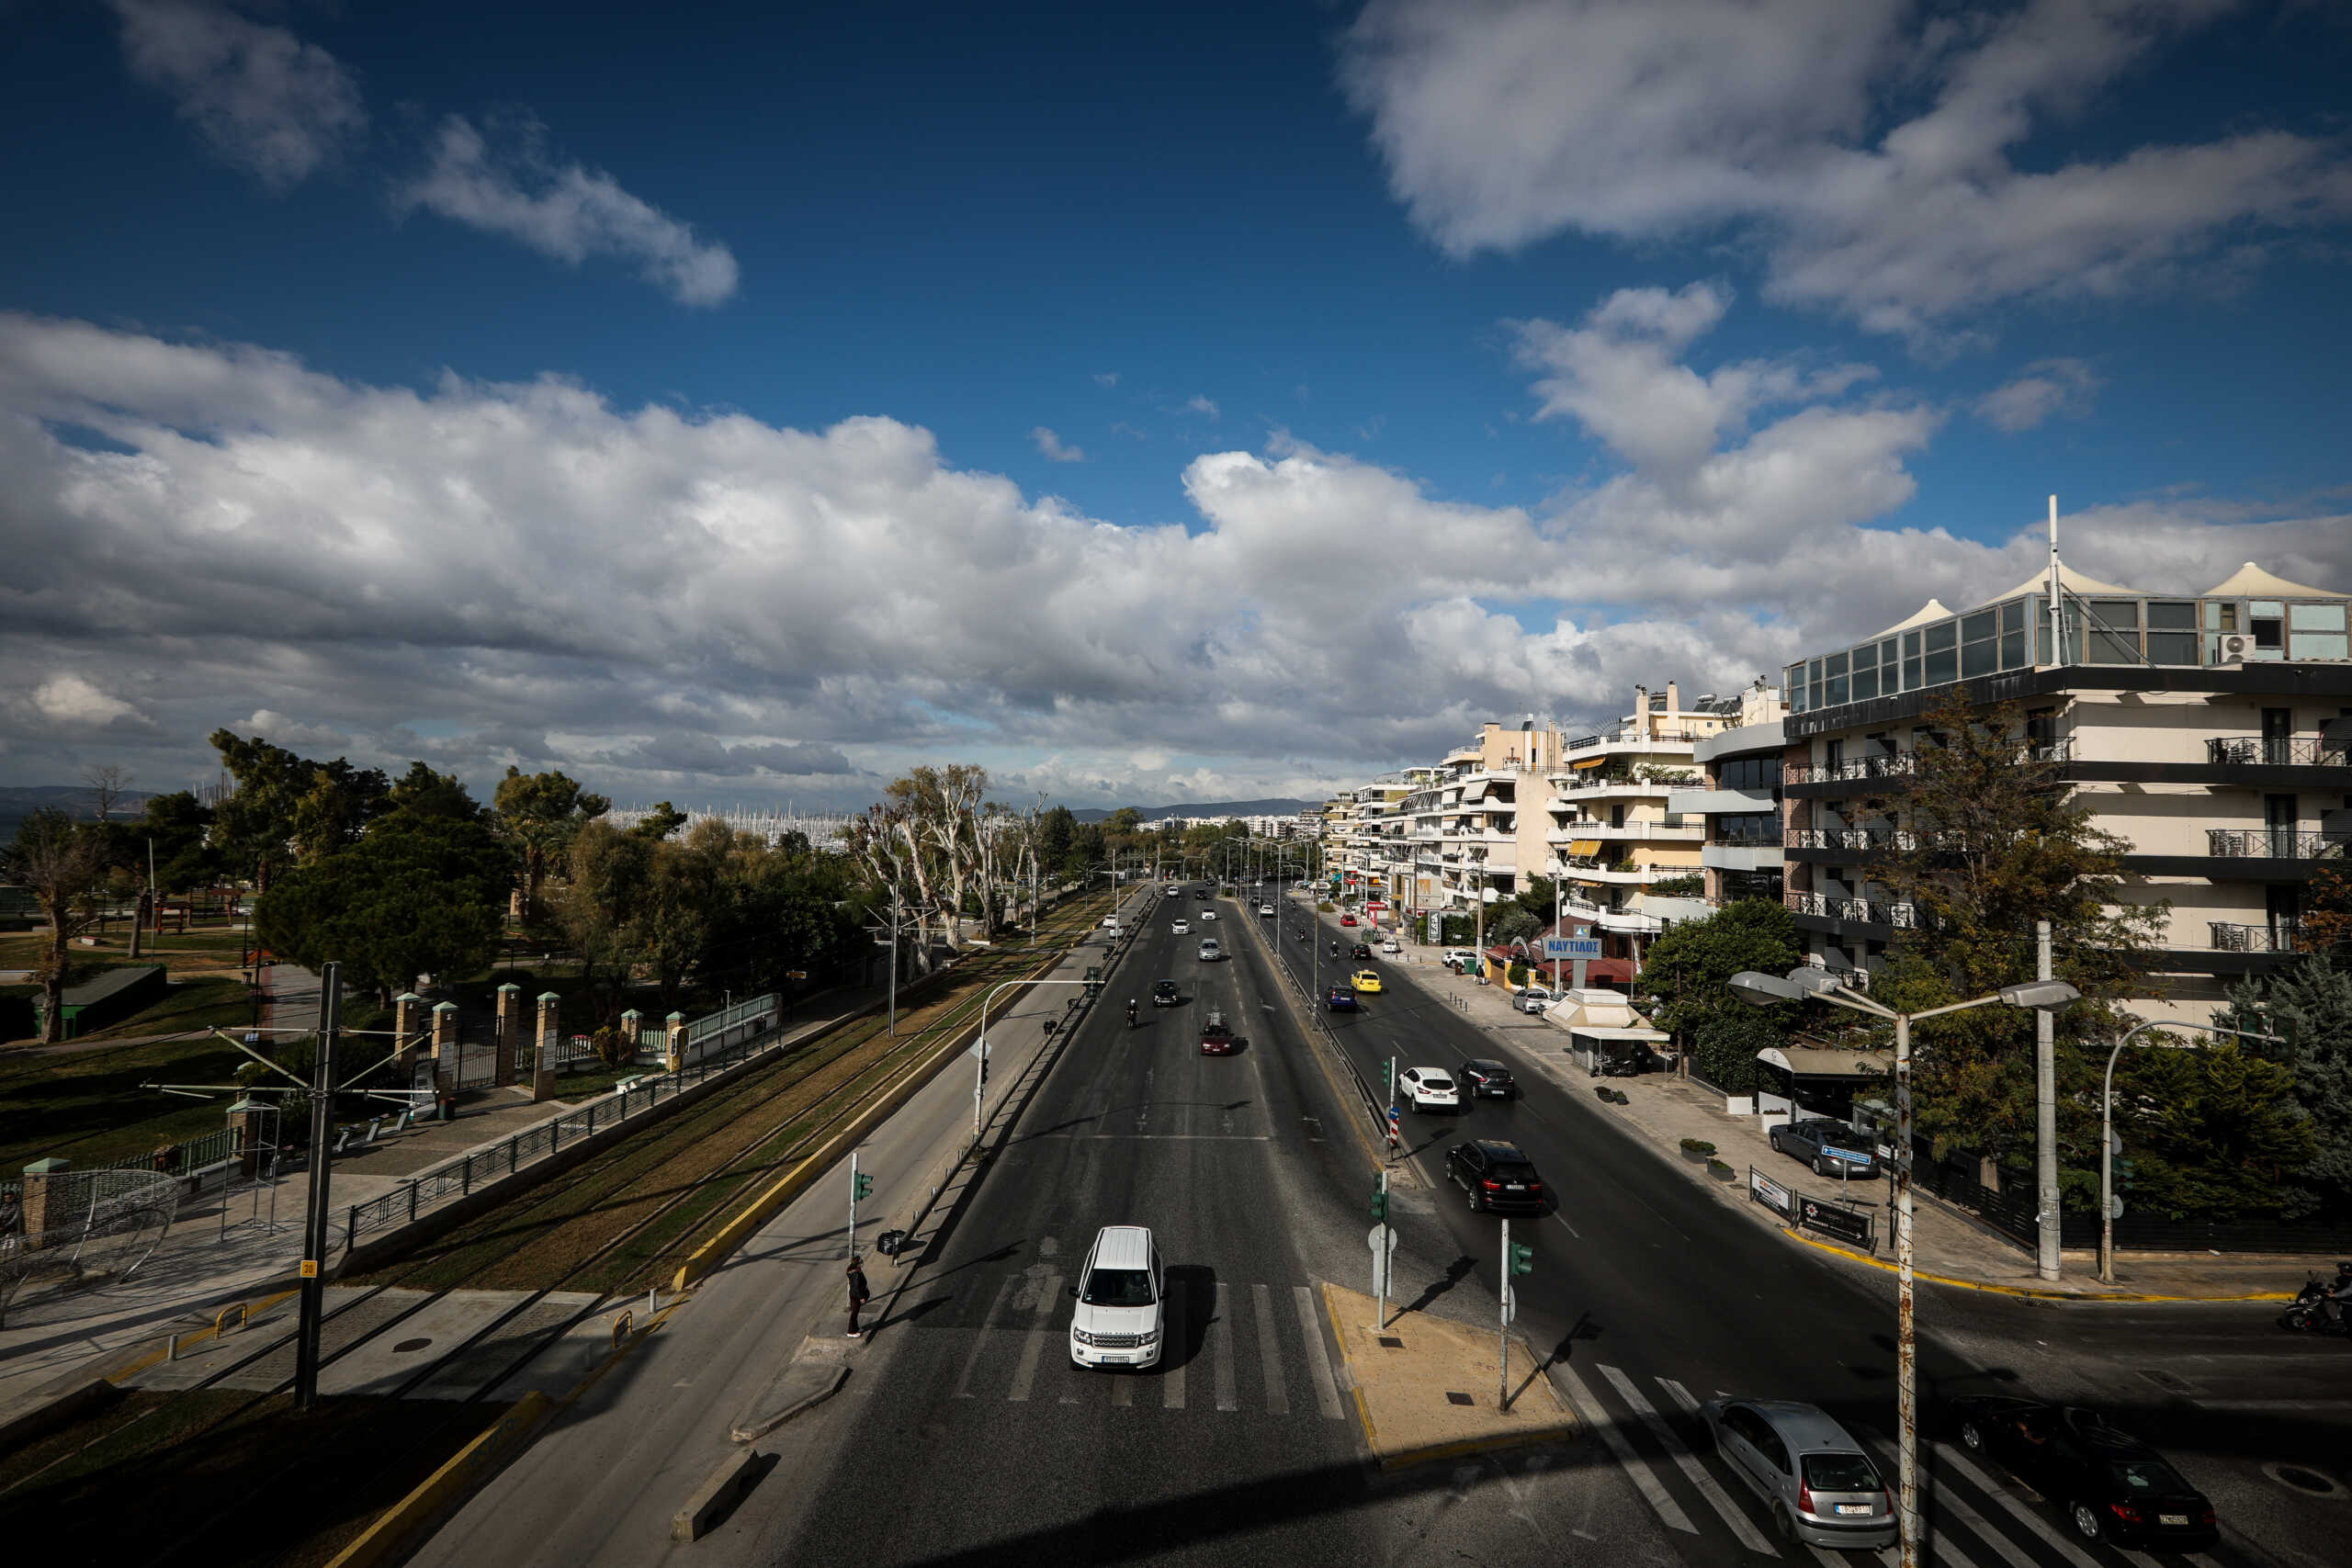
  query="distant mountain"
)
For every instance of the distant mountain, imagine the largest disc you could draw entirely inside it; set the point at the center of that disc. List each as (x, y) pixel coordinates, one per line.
(1206, 809)
(22, 800)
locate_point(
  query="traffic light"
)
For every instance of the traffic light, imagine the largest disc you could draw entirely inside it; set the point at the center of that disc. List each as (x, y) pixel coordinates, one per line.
(861, 1185)
(2122, 1169)
(1523, 1258)
(1379, 1203)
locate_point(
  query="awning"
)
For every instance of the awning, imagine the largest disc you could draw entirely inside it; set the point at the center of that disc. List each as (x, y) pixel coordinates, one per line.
(1590, 763)
(1584, 847)
(1821, 1062)
(1617, 1032)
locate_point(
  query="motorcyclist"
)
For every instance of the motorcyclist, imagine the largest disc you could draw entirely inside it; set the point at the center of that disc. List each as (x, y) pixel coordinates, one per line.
(2338, 1292)
(1131, 1013)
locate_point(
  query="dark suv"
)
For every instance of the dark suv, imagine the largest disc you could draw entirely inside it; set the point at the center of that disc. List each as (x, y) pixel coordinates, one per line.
(1487, 1080)
(1497, 1176)
(1164, 994)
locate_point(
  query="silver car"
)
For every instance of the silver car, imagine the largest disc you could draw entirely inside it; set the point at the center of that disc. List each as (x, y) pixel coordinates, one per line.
(1822, 1488)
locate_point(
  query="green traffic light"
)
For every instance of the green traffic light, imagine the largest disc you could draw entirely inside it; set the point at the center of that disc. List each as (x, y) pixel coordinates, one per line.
(864, 1185)
(1523, 1258)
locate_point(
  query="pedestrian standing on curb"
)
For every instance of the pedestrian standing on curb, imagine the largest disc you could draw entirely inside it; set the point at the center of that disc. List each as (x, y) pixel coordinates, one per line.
(858, 1293)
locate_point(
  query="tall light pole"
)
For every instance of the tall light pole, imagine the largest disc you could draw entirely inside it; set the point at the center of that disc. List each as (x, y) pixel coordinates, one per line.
(2107, 1132)
(981, 1069)
(1806, 982)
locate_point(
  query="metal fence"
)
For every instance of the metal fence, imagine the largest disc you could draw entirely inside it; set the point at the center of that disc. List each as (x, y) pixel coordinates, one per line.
(746, 1020)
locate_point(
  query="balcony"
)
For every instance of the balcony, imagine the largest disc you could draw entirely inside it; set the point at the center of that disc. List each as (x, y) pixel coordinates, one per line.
(1682, 833)
(2272, 843)
(1835, 907)
(2276, 751)
(2281, 937)
(1883, 765)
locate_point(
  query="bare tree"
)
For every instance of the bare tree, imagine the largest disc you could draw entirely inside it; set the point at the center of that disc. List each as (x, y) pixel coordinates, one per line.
(107, 784)
(60, 860)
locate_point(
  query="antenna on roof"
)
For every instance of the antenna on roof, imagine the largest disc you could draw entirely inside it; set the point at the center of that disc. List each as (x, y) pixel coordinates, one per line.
(2057, 625)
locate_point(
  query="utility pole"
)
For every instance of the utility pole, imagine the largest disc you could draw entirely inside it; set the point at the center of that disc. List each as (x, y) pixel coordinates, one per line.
(2047, 1259)
(314, 1228)
(894, 961)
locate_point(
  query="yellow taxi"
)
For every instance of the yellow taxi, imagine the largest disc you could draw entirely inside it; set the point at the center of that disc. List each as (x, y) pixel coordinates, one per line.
(1367, 980)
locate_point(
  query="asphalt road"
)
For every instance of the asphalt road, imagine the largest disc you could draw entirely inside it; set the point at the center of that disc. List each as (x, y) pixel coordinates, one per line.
(1654, 1294)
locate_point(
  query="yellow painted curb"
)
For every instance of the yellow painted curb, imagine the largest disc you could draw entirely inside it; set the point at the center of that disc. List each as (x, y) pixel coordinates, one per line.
(748, 1220)
(1364, 1411)
(467, 1469)
(147, 1358)
(2027, 1291)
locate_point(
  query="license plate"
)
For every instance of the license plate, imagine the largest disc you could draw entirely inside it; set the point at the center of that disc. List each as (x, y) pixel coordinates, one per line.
(1853, 1507)
(1513, 1187)
(2172, 1519)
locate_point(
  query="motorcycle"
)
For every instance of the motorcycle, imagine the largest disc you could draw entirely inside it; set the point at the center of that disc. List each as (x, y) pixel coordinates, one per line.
(1131, 1015)
(2308, 1314)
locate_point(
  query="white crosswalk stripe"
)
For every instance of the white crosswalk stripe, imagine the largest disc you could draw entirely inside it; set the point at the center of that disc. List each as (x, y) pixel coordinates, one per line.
(1948, 1505)
(2030, 1519)
(1595, 1415)
(1688, 1462)
(1318, 1359)
(1034, 1348)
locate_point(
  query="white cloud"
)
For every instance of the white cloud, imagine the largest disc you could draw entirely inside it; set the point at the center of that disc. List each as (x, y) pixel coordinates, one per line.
(2047, 386)
(71, 700)
(478, 573)
(1052, 446)
(563, 210)
(1504, 121)
(277, 107)
(1199, 403)
(1106, 377)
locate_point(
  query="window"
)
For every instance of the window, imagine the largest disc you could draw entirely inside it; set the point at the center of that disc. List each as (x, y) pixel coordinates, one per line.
(1792, 683)
(2317, 631)
(1865, 672)
(1941, 665)
(1911, 662)
(1836, 672)
(1979, 654)
(2114, 631)
(2013, 635)
(1118, 1288)
(2266, 618)
(2171, 631)
(1840, 1472)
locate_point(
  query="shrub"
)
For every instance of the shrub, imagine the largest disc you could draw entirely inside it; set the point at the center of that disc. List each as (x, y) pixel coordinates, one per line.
(613, 1048)
(1696, 1147)
(1719, 1171)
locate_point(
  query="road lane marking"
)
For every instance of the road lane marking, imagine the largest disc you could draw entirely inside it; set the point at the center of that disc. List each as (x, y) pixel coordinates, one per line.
(1172, 1387)
(1567, 1227)
(980, 1336)
(1950, 1504)
(1270, 1360)
(1327, 1390)
(1122, 1390)
(1688, 1462)
(1034, 1346)
(1595, 1414)
(2024, 1514)
(1221, 1347)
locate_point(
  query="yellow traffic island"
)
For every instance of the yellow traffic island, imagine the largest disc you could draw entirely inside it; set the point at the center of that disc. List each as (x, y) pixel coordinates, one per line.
(1427, 1388)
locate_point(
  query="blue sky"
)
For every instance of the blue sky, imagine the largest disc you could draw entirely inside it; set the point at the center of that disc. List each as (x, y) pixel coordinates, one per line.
(1489, 357)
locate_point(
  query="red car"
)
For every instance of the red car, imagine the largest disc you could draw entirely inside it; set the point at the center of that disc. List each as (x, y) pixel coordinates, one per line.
(1346, 919)
(1217, 1039)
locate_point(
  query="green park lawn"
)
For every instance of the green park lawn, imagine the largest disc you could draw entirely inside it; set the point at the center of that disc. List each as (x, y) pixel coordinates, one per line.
(87, 1106)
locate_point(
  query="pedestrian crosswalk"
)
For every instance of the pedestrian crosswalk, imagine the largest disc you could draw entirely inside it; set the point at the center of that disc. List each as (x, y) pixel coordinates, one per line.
(1256, 1352)
(1654, 1427)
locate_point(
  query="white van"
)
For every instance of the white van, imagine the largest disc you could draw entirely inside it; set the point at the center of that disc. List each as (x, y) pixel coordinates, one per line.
(1122, 1293)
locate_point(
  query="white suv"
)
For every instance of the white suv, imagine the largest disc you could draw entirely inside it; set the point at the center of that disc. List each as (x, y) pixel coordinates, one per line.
(1429, 1088)
(1122, 1293)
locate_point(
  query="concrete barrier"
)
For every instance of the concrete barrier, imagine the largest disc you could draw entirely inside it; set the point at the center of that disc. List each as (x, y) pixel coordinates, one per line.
(713, 1499)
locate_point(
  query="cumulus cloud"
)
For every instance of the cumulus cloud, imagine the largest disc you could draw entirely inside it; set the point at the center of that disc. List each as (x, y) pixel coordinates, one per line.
(1504, 121)
(481, 574)
(2047, 386)
(263, 100)
(71, 700)
(562, 209)
(1053, 447)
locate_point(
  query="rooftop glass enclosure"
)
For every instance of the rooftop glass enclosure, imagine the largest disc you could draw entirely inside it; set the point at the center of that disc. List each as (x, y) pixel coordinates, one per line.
(2014, 634)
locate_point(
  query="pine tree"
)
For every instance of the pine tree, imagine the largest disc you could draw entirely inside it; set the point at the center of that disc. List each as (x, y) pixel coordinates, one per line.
(2309, 1003)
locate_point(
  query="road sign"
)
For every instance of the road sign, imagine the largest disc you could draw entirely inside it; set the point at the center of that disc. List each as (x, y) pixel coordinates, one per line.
(1571, 947)
(977, 1050)
(1381, 1236)
(2114, 1142)
(2114, 1208)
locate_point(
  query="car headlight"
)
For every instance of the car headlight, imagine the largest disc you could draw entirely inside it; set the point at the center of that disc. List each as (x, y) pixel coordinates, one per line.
(1082, 1337)
(1148, 1337)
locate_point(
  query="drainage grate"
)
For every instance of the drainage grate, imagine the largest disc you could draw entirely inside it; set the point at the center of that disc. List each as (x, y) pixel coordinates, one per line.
(2304, 1479)
(405, 1346)
(1390, 1342)
(1453, 1398)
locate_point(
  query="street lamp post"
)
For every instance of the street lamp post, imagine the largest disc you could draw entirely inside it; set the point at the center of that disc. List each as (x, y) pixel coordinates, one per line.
(1806, 982)
(981, 1072)
(2107, 1132)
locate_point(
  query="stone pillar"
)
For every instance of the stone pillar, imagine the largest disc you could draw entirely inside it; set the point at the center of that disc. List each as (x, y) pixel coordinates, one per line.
(510, 1030)
(37, 1177)
(633, 1028)
(445, 1049)
(406, 1025)
(550, 1039)
(675, 1057)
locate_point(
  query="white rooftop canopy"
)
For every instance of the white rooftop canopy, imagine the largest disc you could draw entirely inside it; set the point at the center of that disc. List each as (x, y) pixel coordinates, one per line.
(1933, 610)
(2250, 581)
(2073, 582)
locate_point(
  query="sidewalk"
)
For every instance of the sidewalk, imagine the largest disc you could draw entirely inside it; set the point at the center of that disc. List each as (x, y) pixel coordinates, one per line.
(1949, 1247)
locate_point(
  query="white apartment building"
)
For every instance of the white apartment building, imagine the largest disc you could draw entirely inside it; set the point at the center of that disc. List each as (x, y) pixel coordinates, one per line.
(2210, 731)
(1612, 832)
(1476, 820)
(1739, 802)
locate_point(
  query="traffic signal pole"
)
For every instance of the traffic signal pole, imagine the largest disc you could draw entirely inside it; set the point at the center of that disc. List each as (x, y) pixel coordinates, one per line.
(314, 1227)
(1517, 1261)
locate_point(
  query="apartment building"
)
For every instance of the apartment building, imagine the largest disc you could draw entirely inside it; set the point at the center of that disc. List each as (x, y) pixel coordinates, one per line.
(1740, 805)
(1611, 830)
(2212, 732)
(1476, 819)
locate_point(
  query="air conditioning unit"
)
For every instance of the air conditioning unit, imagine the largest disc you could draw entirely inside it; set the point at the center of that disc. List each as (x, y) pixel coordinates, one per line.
(2236, 649)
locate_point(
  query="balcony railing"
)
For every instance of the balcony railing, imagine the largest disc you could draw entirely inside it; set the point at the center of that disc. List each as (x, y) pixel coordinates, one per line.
(2278, 938)
(1831, 906)
(1882, 765)
(1754, 840)
(2276, 751)
(2273, 843)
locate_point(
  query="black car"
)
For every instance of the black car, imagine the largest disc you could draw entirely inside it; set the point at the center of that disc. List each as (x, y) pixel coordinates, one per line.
(2112, 1485)
(1827, 1147)
(1498, 1178)
(1362, 950)
(1487, 1080)
(1164, 994)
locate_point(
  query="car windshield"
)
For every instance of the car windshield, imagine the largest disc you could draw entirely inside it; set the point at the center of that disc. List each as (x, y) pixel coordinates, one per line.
(1504, 1172)
(1436, 1080)
(1118, 1288)
(1840, 1472)
(2146, 1477)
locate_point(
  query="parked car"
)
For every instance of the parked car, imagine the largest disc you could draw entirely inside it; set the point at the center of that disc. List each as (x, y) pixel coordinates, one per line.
(1181, 928)
(1164, 994)
(1532, 1000)
(1428, 1088)
(1217, 1038)
(1487, 1080)
(1820, 1485)
(2109, 1485)
(1498, 1178)
(1390, 947)
(1341, 1000)
(1826, 1145)
(1120, 1292)
(1367, 981)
